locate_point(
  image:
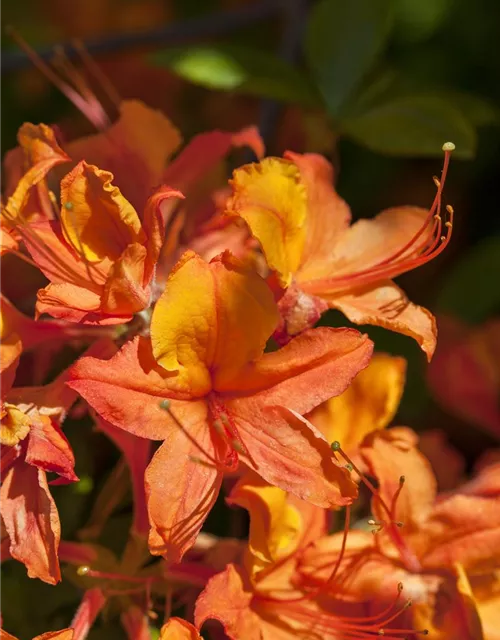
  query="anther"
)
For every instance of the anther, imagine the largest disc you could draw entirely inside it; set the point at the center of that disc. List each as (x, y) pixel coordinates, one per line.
(165, 404)
(400, 587)
(450, 209)
(448, 146)
(349, 467)
(335, 446)
(68, 206)
(83, 570)
(436, 181)
(408, 604)
(402, 479)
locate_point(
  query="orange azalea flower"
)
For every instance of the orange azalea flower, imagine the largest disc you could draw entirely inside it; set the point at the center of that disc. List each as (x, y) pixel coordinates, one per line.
(368, 404)
(465, 374)
(431, 544)
(224, 397)
(303, 227)
(32, 445)
(101, 257)
(265, 598)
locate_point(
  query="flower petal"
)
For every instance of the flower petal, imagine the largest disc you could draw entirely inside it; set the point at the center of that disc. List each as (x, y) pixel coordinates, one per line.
(178, 629)
(135, 149)
(180, 490)
(126, 291)
(97, 221)
(211, 320)
(327, 214)
(288, 452)
(127, 389)
(385, 305)
(272, 200)
(226, 598)
(32, 522)
(368, 404)
(64, 634)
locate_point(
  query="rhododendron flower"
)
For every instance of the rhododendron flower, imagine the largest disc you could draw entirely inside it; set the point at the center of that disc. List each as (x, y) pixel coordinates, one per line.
(202, 384)
(265, 598)
(302, 224)
(428, 543)
(465, 374)
(368, 404)
(101, 257)
(32, 445)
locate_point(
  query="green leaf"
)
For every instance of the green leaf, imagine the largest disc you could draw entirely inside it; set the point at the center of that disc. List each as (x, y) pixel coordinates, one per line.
(470, 291)
(343, 40)
(412, 126)
(417, 20)
(233, 68)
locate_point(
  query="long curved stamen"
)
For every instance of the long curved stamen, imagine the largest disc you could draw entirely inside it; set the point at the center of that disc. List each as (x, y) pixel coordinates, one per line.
(85, 101)
(407, 555)
(427, 243)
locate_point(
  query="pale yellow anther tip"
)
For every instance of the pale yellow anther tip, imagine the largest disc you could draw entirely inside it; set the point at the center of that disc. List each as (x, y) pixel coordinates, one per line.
(448, 146)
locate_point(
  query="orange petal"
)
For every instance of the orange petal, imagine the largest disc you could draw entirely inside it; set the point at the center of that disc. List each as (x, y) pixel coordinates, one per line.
(32, 522)
(272, 200)
(368, 404)
(96, 219)
(452, 612)
(178, 629)
(181, 491)
(127, 390)
(71, 302)
(8, 242)
(385, 305)
(126, 291)
(288, 452)
(49, 449)
(391, 454)
(227, 598)
(11, 345)
(135, 149)
(211, 320)
(64, 634)
(327, 214)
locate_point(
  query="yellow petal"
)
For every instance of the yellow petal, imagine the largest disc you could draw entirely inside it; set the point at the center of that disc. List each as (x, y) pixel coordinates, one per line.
(15, 425)
(368, 404)
(97, 220)
(275, 524)
(271, 198)
(212, 319)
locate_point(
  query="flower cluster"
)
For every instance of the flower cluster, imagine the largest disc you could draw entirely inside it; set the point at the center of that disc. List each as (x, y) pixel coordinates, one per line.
(189, 311)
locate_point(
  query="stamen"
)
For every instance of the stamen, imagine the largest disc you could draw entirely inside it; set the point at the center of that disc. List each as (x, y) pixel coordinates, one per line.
(407, 555)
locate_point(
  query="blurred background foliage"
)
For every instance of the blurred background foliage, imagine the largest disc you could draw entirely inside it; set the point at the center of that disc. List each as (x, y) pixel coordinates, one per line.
(375, 85)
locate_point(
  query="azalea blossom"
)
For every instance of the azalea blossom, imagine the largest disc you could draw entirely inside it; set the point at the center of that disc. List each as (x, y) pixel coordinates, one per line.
(202, 384)
(303, 227)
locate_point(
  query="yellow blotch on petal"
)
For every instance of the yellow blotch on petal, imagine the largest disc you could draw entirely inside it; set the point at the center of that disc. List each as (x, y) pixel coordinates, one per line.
(96, 219)
(367, 405)
(272, 200)
(212, 319)
(15, 425)
(275, 524)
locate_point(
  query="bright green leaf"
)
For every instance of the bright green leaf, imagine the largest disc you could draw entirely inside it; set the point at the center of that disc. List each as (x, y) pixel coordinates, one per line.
(417, 20)
(343, 41)
(412, 126)
(470, 291)
(233, 68)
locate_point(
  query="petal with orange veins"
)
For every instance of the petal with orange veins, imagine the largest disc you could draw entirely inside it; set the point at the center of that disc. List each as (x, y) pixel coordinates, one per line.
(182, 485)
(390, 455)
(70, 302)
(452, 612)
(126, 291)
(179, 629)
(290, 453)
(385, 305)
(97, 221)
(127, 389)
(275, 524)
(313, 367)
(227, 598)
(32, 522)
(368, 404)
(211, 321)
(272, 200)
(135, 149)
(327, 214)
(49, 449)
